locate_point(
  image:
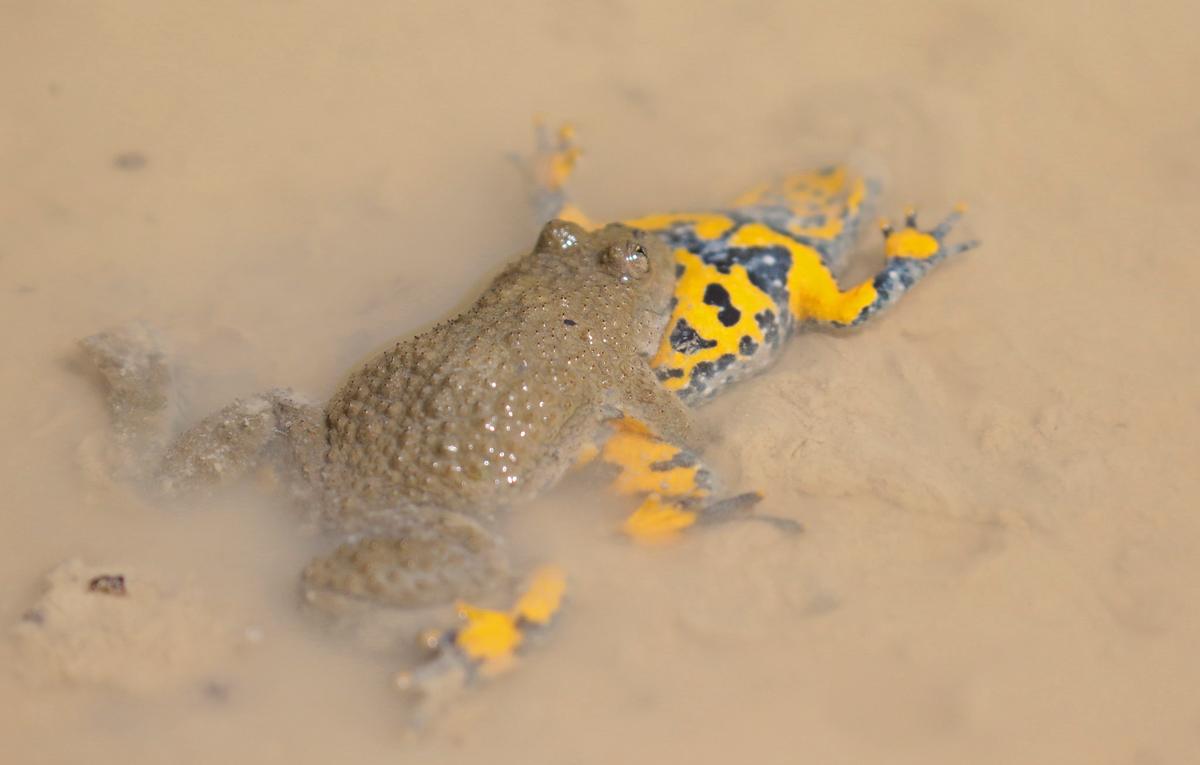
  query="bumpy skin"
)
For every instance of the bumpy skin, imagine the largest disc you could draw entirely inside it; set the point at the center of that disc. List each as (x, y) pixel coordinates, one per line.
(430, 437)
(491, 407)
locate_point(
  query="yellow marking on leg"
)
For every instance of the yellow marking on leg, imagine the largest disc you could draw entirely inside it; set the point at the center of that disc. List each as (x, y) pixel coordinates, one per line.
(571, 212)
(911, 242)
(635, 453)
(858, 194)
(544, 596)
(707, 225)
(908, 242)
(836, 216)
(589, 453)
(690, 305)
(657, 523)
(634, 426)
(816, 184)
(811, 189)
(836, 194)
(490, 637)
(833, 226)
(814, 292)
(558, 161)
(549, 169)
(752, 196)
(562, 163)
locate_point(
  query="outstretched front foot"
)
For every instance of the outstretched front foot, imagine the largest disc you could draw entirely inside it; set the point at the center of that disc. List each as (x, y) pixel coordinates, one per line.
(911, 243)
(911, 254)
(547, 171)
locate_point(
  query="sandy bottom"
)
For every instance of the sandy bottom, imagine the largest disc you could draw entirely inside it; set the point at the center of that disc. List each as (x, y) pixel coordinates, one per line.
(998, 479)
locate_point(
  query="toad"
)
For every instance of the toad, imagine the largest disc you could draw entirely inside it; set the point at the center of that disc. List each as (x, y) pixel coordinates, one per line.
(590, 348)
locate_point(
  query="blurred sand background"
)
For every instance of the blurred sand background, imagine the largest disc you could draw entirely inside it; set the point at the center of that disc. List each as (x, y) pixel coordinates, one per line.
(999, 479)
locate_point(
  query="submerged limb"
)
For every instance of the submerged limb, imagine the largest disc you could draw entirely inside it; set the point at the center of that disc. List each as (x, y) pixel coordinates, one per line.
(278, 427)
(645, 464)
(135, 365)
(484, 645)
(547, 171)
(242, 436)
(661, 520)
(429, 559)
(659, 411)
(822, 208)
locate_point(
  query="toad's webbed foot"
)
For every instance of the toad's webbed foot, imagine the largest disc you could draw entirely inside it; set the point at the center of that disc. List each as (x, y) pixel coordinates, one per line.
(484, 645)
(134, 363)
(678, 489)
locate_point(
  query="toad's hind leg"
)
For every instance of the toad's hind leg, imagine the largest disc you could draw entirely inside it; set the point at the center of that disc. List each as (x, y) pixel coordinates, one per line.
(823, 208)
(426, 557)
(486, 643)
(277, 427)
(134, 363)
(429, 560)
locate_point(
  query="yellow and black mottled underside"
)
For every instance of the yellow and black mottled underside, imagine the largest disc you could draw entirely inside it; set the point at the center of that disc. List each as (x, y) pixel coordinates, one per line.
(748, 275)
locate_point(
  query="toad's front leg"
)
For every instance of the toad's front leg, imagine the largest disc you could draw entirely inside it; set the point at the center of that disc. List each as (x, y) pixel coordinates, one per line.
(547, 171)
(911, 255)
(643, 398)
(676, 487)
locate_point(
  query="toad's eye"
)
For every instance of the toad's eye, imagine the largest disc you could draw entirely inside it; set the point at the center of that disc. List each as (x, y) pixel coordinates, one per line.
(627, 260)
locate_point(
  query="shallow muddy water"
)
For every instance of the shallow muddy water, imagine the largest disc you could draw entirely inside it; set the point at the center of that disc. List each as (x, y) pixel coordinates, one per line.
(998, 479)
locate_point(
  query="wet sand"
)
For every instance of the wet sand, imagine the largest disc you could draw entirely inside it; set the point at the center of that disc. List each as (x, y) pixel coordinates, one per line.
(998, 479)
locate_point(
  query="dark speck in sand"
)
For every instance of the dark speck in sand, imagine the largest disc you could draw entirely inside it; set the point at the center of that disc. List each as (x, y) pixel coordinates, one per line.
(108, 584)
(130, 160)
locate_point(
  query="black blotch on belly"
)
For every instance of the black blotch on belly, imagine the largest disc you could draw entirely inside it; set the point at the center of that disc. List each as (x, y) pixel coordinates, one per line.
(716, 295)
(685, 339)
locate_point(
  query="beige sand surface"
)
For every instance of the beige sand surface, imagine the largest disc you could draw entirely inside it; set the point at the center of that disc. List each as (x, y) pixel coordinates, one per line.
(999, 479)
